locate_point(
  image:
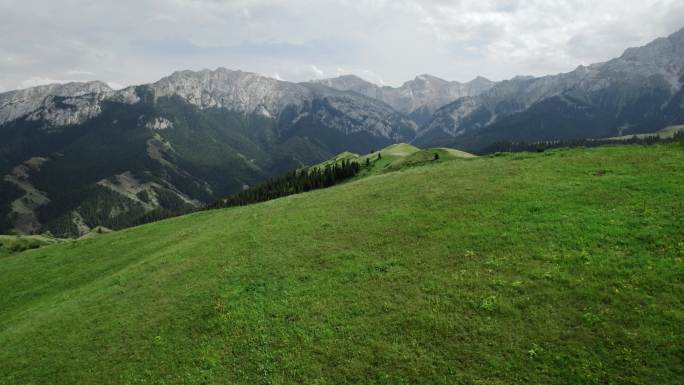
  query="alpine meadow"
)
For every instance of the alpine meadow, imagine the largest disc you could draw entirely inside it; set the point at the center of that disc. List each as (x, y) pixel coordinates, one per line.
(318, 221)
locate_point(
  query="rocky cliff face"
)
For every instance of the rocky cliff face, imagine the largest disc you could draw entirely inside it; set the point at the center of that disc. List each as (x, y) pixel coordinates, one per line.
(60, 104)
(233, 90)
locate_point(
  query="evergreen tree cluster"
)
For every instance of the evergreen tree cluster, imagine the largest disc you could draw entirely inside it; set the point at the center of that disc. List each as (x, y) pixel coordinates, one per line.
(294, 182)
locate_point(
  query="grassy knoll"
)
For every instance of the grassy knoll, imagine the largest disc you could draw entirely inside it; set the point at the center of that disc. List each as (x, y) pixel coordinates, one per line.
(565, 267)
(396, 157)
(423, 157)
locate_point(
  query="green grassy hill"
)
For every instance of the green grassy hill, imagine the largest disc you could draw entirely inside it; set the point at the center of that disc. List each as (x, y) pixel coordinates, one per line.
(565, 267)
(423, 157)
(396, 157)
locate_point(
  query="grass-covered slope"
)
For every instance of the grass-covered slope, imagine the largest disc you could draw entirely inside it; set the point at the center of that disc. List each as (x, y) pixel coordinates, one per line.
(396, 157)
(423, 157)
(564, 267)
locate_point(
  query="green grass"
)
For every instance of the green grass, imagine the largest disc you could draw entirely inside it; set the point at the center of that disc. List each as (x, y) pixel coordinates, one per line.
(397, 157)
(12, 244)
(565, 267)
(399, 149)
(423, 157)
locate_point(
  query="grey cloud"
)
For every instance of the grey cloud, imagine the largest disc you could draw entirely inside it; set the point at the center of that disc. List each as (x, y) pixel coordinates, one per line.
(136, 41)
(316, 50)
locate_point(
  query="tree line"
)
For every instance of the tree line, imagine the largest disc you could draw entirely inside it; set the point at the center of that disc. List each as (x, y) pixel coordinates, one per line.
(294, 182)
(507, 146)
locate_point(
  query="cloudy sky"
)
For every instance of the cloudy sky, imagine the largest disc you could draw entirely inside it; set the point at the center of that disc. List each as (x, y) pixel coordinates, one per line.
(127, 42)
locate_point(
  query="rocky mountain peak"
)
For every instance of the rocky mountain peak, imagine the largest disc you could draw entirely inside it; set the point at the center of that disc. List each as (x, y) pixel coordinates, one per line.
(481, 81)
(38, 102)
(661, 51)
(418, 98)
(58, 89)
(235, 90)
(427, 79)
(352, 83)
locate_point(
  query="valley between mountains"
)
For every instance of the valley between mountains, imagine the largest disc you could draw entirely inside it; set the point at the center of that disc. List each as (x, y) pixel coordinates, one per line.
(81, 155)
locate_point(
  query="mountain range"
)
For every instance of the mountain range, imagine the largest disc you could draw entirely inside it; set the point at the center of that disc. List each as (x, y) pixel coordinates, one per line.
(641, 91)
(79, 155)
(418, 98)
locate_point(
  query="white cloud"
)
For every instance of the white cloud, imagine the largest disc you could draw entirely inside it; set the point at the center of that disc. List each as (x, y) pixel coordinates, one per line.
(39, 81)
(80, 73)
(385, 41)
(317, 72)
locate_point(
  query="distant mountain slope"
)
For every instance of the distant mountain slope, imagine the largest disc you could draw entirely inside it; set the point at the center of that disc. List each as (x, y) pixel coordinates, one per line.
(418, 98)
(556, 268)
(641, 91)
(81, 155)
